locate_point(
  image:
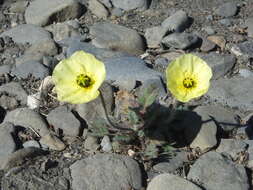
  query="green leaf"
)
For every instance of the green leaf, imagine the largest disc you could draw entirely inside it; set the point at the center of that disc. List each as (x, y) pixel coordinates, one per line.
(123, 138)
(151, 151)
(99, 128)
(148, 97)
(133, 117)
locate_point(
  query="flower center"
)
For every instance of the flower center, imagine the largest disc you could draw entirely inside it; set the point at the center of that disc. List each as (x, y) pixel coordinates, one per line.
(189, 82)
(84, 81)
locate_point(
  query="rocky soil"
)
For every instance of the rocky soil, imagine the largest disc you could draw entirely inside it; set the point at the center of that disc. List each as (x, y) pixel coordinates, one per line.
(46, 144)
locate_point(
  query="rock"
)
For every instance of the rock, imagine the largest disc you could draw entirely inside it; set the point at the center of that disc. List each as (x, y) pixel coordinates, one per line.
(14, 89)
(20, 156)
(207, 45)
(19, 34)
(5, 69)
(173, 163)
(38, 57)
(128, 5)
(198, 132)
(93, 111)
(227, 9)
(223, 173)
(18, 7)
(154, 36)
(106, 144)
(249, 24)
(180, 40)
(44, 12)
(7, 143)
(61, 118)
(217, 115)
(99, 53)
(116, 37)
(33, 68)
(243, 49)
(124, 72)
(52, 142)
(29, 119)
(220, 64)
(234, 92)
(209, 30)
(161, 64)
(218, 40)
(98, 9)
(91, 144)
(177, 22)
(117, 12)
(106, 3)
(119, 172)
(163, 181)
(232, 147)
(31, 143)
(245, 73)
(226, 22)
(8, 103)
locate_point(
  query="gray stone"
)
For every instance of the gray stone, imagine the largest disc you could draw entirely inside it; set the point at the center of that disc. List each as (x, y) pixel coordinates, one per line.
(20, 156)
(52, 142)
(5, 69)
(232, 147)
(207, 45)
(234, 92)
(154, 36)
(18, 7)
(117, 12)
(217, 115)
(249, 24)
(7, 143)
(220, 64)
(29, 119)
(117, 37)
(91, 144)
(62, 118)
(209, 30)
(106, 144)
(128, 5)
(44, 12)
(8, 102)
(124, 72)
(226, 22)
(99, 53)
(177, 22)
(180, 40)
(246, 73)
(46, 48)
(173, 163)
(19, 34)
(119, 172)
(106, 3)
(31, 143)
(222, 173)
(14, 89)
(33, 68)
(227, 9)
(243, 49)
(29, 57)
(172, 182)
(98, 9)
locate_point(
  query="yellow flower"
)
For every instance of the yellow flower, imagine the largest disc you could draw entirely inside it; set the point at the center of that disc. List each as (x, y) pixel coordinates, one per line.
(78, 78)
(188, 77)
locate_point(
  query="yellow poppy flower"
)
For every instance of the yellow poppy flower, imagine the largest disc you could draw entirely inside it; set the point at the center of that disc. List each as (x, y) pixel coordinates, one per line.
(78, 78)
(188, 77)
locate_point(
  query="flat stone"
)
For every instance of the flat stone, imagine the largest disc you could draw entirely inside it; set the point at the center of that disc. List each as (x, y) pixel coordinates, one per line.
(44, 12)
(249, 24)
(52, 142)
(31, 143)
(19, 34)
(8, 102)
(227, 9)
(163, 181)
(232, 147)
(218, 40)
(207, 45)
(209, 30)
(234, 92)
(14, 89)
(29, 119)
(98, 9)
(117, 37)
(18, 7)
(46, 48)
(5, 69)
(7, 143)
(226, 22)
(243, 49)
(99, 53)
(119, 172)
(246, 73)
(154, 36)
(106, 144)
(222, 116)
(61, 118)
(91, 144)
(177, 22)
(128, 5)
(124, 72)
(222, 173)
(33, 68)
(180, 40)
(106, 3)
